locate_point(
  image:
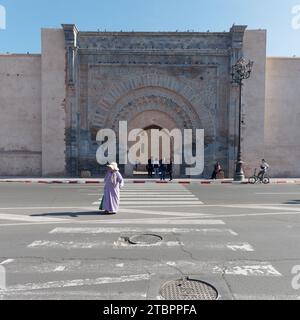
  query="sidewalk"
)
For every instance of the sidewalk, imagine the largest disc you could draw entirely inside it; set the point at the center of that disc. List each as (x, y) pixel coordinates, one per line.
(137, 181)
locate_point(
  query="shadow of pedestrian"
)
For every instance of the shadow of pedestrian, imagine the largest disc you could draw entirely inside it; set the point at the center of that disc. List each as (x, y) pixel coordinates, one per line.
(70, 214)
(292, 202)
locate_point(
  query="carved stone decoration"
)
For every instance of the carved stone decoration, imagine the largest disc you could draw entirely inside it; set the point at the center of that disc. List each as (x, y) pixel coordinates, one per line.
(182, 76)
(167, 94)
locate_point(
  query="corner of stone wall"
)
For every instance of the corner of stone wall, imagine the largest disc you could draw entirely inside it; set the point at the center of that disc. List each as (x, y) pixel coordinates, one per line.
(53, 103)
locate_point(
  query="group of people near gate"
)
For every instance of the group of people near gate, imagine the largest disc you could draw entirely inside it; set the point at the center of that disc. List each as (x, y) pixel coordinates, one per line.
(114, 181)
(160, 169)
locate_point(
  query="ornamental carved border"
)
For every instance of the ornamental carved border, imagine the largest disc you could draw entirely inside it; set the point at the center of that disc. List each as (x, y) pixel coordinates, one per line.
(153, 102)
(136, 94)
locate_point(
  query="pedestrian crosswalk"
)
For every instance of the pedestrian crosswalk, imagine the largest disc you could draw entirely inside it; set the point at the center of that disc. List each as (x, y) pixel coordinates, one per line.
(112, 265)
(192, 243)
(156, 195)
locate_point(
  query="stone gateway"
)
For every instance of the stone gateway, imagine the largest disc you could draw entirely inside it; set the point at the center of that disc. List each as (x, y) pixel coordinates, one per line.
(54, 104)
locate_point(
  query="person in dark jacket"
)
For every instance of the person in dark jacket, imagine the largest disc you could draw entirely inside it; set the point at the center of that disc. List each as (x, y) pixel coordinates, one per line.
(162, 170)
(150, 169)
(170, 170)
(217, 169)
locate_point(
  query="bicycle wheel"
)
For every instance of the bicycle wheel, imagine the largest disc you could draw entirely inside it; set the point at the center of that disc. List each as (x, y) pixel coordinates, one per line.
(266, 180)
(252, 180)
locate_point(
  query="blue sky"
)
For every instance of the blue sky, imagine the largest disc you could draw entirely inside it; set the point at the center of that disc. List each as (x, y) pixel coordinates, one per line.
(26, 17)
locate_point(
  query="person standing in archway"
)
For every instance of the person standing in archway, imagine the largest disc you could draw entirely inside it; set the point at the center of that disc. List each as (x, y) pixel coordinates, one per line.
(170, 170)
(150, 168)
(113, 183)
(217, 170)
(156, 167)
(162, 170)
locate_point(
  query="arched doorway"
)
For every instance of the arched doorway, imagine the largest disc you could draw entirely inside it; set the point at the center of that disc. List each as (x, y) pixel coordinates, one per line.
(147, 121)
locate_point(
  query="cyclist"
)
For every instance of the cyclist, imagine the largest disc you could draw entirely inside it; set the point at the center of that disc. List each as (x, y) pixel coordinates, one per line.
(264, 167)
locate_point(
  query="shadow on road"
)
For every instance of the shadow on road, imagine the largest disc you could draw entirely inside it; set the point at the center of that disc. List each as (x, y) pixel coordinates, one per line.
(71, 214)
(292, 202)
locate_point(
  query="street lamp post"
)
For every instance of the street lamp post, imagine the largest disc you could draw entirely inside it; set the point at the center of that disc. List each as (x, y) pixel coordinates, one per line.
(240, 71)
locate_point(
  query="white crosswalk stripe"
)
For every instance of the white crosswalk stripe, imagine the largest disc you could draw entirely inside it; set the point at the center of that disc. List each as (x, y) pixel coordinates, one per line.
(155, 194)
(120, 230)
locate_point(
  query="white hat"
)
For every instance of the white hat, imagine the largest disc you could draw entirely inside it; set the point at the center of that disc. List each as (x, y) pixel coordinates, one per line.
(113, 166)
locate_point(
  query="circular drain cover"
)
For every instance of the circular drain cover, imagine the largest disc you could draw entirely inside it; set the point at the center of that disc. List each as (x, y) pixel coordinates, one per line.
(145, 239)
(187, 289)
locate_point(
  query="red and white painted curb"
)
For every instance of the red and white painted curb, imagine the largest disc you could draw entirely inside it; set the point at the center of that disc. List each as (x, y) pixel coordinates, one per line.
(182, 182)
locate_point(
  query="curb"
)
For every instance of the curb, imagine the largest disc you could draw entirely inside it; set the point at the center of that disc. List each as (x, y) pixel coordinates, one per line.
(182, 182)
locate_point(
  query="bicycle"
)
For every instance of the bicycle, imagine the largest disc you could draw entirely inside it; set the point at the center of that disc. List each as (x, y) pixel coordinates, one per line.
(256, 179)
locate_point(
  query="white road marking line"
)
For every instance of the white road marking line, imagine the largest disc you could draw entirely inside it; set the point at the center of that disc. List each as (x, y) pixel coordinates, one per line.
(159, 222)
(251, 270)
(158, 192)
(141, 193)
(155, 189)
(276, 208)
(160, 198)
(125, 245)
(249, 205)
(120, 265)
(245, 247)
(164, 213)
(16, 217)
(257, 206)
(7, 262)
(139, 230)
(60, 269)
(44, 208)
(112, 268)
(171, 264)
(92, 245)
(278, 193)
(162, 206)
(78, 283)
(67, 244)
(78, 187)
(123, 203)
(167, 196)
(253, 214)
(240, 247)
(71, 221)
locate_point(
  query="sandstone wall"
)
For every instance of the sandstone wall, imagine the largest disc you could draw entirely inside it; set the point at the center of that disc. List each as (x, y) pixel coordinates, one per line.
(20, 120)
(282, 121)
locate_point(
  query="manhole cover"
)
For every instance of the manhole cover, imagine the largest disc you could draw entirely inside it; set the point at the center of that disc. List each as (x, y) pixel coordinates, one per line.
(187, 289)
(145, 239)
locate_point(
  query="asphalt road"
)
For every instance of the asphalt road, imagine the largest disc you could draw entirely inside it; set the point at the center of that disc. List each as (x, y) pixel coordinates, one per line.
(242, 239)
